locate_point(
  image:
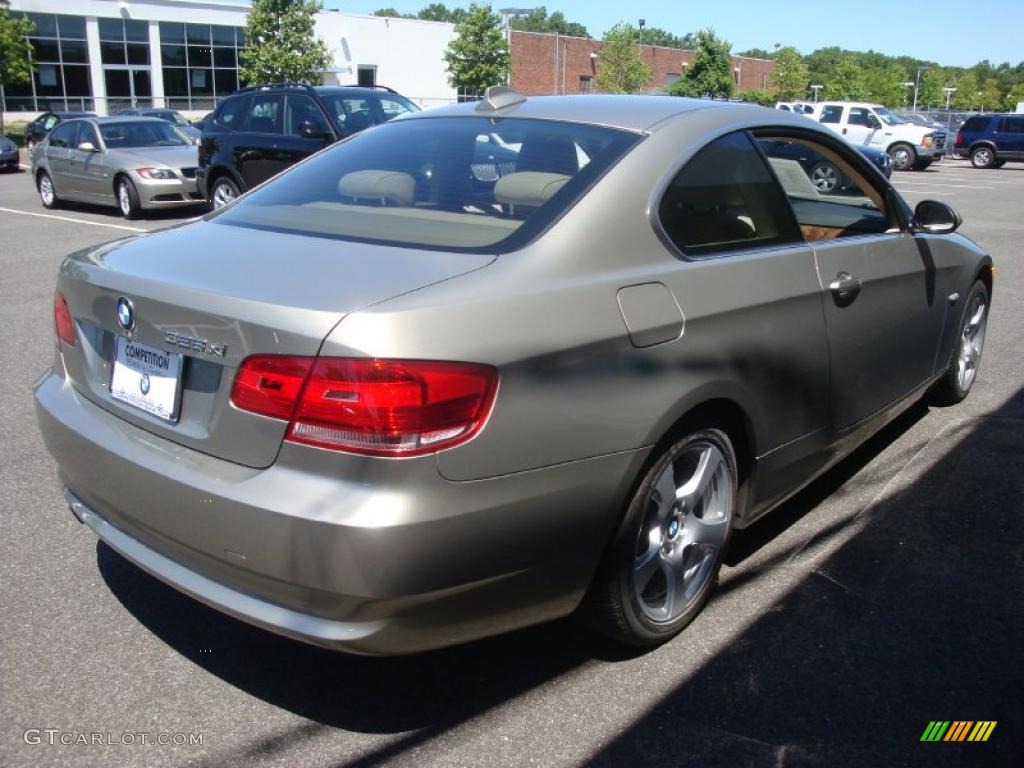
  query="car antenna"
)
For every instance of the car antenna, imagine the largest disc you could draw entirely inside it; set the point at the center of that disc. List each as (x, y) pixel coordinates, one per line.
(499, 97)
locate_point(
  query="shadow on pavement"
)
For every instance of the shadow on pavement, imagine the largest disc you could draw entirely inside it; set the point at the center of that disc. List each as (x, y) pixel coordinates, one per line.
(918, 617)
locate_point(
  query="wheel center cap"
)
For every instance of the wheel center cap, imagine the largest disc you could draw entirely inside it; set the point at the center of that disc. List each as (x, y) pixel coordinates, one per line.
(673, 527)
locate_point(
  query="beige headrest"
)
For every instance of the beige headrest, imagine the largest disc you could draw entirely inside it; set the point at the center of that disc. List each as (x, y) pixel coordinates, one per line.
(528, 188)
(388, 186)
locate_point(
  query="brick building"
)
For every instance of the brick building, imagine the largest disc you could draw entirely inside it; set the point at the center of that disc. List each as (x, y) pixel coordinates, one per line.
(548, 63)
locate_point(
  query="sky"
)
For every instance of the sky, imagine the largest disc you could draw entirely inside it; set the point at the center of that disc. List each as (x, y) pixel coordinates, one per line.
(950, 32)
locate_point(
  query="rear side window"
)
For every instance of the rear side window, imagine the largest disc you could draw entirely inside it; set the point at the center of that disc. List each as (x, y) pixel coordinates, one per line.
(64, 135)
(832, 113)
(725, 199)
(975, 124)
(1013, 125)
(467, 184)
(266, 114)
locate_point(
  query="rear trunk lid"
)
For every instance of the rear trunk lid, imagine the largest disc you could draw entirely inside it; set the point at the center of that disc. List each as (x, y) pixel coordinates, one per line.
(214, 294)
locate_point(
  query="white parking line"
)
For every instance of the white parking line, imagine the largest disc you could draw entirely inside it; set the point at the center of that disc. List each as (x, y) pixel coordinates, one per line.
(938, 184)
(76, 221)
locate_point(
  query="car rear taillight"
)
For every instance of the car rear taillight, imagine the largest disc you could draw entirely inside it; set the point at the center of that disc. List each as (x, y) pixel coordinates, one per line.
(62, 321)
(369, 406)
(959, 140)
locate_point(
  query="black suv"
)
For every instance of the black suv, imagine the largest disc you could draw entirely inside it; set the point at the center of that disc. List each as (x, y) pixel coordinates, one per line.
(991, 140)
(257, 132)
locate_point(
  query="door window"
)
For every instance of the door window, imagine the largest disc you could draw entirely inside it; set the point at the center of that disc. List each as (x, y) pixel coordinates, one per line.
(828, 192)
(725, 199)
(232, 113)
(832, 113)
(265, 114)
(302, 110)
(64, 135)
(860, 116)
(392, 108)
(87, 133)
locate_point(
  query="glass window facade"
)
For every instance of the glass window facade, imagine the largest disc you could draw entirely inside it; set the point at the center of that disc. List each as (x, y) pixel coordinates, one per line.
(200, 63)
(61, 77)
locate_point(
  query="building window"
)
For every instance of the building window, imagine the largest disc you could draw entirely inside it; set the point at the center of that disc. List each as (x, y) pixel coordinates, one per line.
(367, 75)
(61, 77)
(200, 63)
(584, 83)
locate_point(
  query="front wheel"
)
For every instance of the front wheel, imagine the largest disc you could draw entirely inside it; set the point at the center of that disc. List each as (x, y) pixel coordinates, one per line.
(664, 562)
(128, 199)
(955, 385)
(903, 156)
(825, 177)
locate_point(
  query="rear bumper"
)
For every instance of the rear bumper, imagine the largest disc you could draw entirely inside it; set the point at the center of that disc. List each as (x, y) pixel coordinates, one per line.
(364, 555)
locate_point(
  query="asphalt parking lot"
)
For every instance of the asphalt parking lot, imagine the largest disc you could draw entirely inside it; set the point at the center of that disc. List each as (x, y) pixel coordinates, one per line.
(885, 596)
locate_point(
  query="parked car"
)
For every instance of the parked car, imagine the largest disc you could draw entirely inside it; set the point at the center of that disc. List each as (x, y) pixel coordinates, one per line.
(924, 120)
(823, 172)
(171, 116)
(376, 406)
(36, 130)
(911, 146)
(134, 163)
(258, 132)
(798, 107)
(991, 140)
(9, 159)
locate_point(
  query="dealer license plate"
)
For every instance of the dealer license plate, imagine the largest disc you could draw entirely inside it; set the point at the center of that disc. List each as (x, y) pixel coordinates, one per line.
(147, 378)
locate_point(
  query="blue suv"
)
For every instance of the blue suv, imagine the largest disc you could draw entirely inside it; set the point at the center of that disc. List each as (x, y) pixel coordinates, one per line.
(990, 140)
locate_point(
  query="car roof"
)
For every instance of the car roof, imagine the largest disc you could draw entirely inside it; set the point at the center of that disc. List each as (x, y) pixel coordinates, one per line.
(121, 119)
(69, 115)
(627, 112)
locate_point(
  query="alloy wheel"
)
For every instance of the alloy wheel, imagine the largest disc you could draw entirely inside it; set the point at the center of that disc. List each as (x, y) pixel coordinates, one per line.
(46, 190)
(124, 198)
(685, 528)
(825, 177)
(222, 195)
(971, 342)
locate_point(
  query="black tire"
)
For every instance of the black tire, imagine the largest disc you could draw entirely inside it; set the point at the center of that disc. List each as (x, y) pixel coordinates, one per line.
(903, 156)
(613, 603)
(127, 198)
(47, 191)
(223, 191)
(983, 157)
(952, 388)
(998, 163)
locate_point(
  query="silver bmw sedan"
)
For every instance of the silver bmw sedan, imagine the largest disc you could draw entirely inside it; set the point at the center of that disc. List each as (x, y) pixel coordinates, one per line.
(134, 163)
(493, 364)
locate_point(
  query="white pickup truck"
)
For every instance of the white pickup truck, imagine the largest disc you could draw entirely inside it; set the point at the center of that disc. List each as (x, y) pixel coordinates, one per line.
(911, 146)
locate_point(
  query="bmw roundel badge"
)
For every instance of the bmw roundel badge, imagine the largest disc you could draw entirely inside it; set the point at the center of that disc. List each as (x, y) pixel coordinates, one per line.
(125, 314)
(144, 384)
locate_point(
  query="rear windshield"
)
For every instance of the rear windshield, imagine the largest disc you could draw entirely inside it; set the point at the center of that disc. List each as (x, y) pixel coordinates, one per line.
(142, 134)
(449, 183)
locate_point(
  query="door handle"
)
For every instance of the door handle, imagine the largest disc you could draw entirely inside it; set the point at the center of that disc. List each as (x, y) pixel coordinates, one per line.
(844, 131)
(844, 285)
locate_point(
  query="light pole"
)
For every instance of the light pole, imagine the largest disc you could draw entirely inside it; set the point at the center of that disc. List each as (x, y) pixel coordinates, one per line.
(906, 94)
(816, 88)
(643, 23)
(917, 84)
(949, 92)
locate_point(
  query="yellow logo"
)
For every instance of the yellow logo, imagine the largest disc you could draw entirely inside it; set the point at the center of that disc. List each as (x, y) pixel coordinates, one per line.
(958, 730)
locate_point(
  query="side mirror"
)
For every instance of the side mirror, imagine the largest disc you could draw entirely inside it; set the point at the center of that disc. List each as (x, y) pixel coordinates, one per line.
(87, 146)
(936, 218)
(310, 130)
(873, 122)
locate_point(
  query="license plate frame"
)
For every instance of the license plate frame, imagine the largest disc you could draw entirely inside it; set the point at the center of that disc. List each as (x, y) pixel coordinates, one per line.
(147, 378)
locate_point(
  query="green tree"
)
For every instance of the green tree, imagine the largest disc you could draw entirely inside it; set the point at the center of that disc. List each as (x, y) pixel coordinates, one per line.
(1013, 96)
(885, 85)
(991, 95)
(392, 13)
(967, 88)
(710, 72)
(282, 43)
(478, 56)
(846, 81)
(538, 20)
(790, 77)
(759, 96)
(929, 91)
(619, 66)
(441, 12)
(15, 51)
(660, 37)
(757, 53)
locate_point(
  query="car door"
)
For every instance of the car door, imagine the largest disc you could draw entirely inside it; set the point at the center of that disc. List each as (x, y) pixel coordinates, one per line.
(93, 176)
(257, 144)
(306, 130)
(58, 154)
(859, 126)
(883, 311)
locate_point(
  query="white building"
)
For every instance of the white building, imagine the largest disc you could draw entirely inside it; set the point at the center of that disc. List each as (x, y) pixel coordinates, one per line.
(102, 55)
